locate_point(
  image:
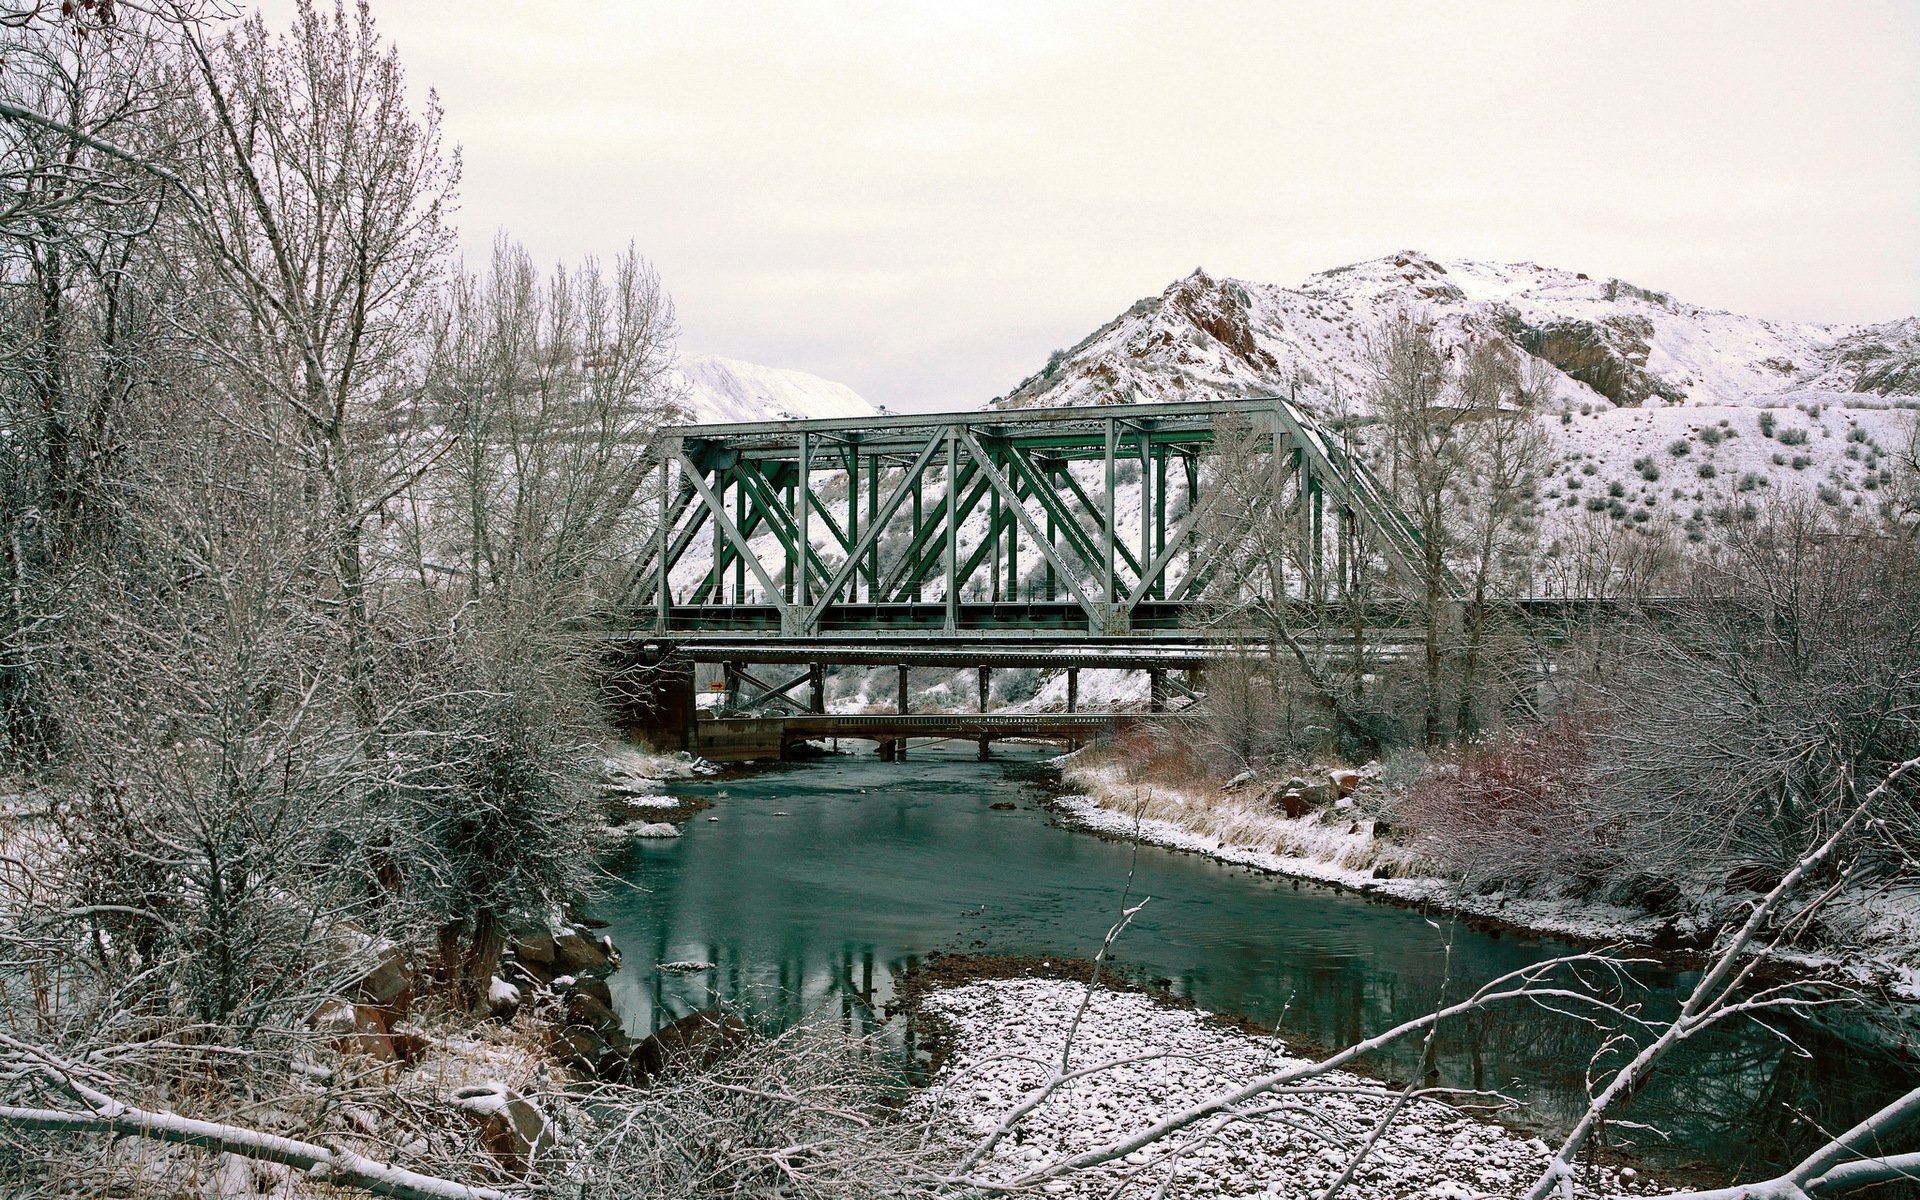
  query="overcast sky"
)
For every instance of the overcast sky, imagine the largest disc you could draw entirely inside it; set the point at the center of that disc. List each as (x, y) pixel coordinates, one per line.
(922, 199)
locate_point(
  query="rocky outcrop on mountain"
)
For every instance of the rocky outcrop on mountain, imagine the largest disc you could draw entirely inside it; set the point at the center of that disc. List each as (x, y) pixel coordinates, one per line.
(1884, 359)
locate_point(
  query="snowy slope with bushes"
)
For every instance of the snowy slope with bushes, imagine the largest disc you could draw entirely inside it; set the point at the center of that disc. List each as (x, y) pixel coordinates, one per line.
(1636, 374)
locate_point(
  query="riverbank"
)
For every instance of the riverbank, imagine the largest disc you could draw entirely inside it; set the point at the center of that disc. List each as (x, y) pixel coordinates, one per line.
(1008, 1035)
(1343, 847)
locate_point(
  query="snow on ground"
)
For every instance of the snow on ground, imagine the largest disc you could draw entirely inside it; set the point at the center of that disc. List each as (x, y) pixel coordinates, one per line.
(1336, 846)
(1009, 1035)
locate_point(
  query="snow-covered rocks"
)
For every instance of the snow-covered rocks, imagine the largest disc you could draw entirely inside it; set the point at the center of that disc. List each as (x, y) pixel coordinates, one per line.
(657, 830)
(1009, 1037)
(683, 966)
(503, 998)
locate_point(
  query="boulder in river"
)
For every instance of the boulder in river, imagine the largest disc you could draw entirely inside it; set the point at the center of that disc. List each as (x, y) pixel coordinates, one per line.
(657, 829)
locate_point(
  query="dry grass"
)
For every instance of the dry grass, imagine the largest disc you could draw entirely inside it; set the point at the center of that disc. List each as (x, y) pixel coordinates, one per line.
(1176, 788)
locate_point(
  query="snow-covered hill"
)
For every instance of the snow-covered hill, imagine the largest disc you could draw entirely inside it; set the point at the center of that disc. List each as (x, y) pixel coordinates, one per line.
(717, 390)
(1662, 410)
(1612, 342)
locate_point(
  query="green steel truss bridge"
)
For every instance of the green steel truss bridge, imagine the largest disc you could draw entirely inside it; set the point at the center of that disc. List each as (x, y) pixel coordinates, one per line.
(1065, 537)
(981, 527)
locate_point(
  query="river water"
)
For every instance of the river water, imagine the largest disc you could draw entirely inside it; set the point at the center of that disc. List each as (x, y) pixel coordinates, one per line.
(810, 886)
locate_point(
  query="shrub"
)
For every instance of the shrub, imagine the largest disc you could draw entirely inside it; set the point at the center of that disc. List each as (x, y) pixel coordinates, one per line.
(1706, 470)
(1792, 437)
(1680, 448)
(1510, 811)
(1766, 423)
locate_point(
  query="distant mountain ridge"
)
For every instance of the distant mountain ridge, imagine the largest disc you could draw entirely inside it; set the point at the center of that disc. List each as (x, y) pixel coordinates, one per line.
(1611, 341)
(715, 390)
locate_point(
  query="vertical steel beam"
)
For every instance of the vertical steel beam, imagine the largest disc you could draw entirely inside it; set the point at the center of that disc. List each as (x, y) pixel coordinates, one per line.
(1106, 514)
(1013, 546)
(873, 518)
(663, 600)
(918, 499)
(993, 546)
(803, 502)
(1073, 688)
(853, 516)
(901, 705)
(816, 688)
(986, 683)
(1146, 496)
(740, 518)
(719, 537)
(1053, 532)
(953, 530)
(1160, 515)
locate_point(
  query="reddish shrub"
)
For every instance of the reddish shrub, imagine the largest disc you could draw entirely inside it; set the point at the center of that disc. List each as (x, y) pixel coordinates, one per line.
(1513, 810)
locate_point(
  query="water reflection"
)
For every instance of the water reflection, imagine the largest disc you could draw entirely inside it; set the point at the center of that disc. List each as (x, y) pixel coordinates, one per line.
(817, 884)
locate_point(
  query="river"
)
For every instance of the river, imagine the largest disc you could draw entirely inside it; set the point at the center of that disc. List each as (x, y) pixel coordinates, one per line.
(811, 885)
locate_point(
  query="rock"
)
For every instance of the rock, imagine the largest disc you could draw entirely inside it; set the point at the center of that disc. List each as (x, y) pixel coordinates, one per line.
(503, 999)
(685, 966)
(1346, 781)
(657, 829)
(1319, 795)
(389, 984)
(1241, 780)
(512, 1128)
(1003, 805)
(534, 950)
(356, 1029)
(593, 985)
(697, 1040)
(1292, 803)
(574, 954)
(592, 1040)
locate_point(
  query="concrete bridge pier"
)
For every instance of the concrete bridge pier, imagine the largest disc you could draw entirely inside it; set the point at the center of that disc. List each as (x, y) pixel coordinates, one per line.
(1156, 690)
(984, 754)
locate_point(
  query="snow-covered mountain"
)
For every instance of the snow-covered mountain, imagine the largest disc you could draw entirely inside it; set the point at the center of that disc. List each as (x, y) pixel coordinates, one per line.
(716, 390)
(1663, 410)
(1613, 342)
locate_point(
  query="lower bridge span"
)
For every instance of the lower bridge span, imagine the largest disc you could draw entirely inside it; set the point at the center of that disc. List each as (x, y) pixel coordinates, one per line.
(892, 730)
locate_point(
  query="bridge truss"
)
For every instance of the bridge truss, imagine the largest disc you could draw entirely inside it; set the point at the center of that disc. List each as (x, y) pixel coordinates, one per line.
(984, 529)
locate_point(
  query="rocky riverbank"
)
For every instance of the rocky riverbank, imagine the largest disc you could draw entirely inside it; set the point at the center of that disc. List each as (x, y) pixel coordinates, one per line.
(1009, 1035)
(1330, 839)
